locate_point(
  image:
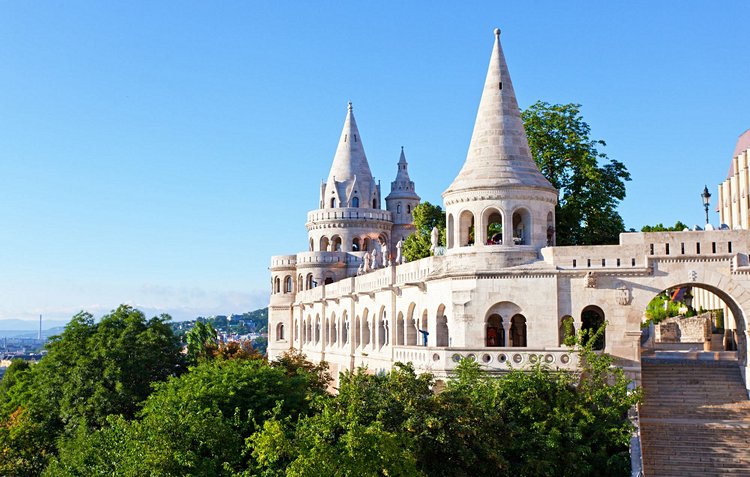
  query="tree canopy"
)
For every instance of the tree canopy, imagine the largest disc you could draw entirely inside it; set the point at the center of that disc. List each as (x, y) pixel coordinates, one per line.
(426, 216)
(590, 184)
(678, 227)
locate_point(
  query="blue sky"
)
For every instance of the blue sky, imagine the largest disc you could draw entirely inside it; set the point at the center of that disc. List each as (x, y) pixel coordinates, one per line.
(158, 153)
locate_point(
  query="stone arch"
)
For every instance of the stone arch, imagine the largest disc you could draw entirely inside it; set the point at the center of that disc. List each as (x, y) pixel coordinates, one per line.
(550, 229)
(280, 332)
(309, 281)
(365, 328)
(288, 284)
(400, 329)
(324, 243)
(442, 335)
(494, 331)
(492, 226)
(277, 285)
(592, 318)
(366, 244)
(411, 326)
(449, 236)
(336, 243)
(518, 331)
(466, 234)
(356, 244)
(424, 329)
(317, 329)
(567, 329)
(522, 226)
(382, 327)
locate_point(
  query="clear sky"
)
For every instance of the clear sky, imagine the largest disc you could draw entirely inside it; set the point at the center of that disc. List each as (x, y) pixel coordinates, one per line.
(158, 153)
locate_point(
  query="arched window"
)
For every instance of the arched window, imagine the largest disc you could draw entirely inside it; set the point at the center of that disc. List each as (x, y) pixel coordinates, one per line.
(466, 231)
(550, 230)
(521, 227)
(355, 244)
(423, 330)
(288, 284)
(408, 209)
(449, 235)
(309, 281)
(336, 243)
(317, 329)
(355, 202)
(494, 230)
(442, 337)
(277, 286)
(324, 244)
(300, 283)
(399, 341)
(333, 202)
(382, 329)
(296, 330)
(374, 203)
(329, 280)
(592, 319)
(280, 332)
(398, 208)
(411, 327)
(518, 331)
(567, 329)
(495, 333)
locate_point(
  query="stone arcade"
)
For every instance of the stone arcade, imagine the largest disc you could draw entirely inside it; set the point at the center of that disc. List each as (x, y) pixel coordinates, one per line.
(502, 291)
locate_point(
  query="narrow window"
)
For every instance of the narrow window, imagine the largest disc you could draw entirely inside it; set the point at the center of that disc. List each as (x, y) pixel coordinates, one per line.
(713, 247)
(345, 137)
(355, 202)
(682, 248)
(588, 262)
(729, 247)
(374, 203)
(618, 262)
(408, 209)
(666, 248)
(574, 263)
(698, 248)
(632, 262)
(355, 138)
(500, 85)
(651, 247)
(604, 262)
(398, 209)
(333, 203)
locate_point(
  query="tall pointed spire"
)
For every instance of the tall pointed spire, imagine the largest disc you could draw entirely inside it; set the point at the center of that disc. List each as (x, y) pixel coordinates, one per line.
(499, 151)
(350, 160)
(402, 187)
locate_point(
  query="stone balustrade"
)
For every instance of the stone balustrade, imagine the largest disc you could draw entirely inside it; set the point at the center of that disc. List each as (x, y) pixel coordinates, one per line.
(490, 359)
(349, 213)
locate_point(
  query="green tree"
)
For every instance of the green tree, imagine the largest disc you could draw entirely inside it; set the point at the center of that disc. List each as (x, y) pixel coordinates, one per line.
(91, 371)
(678, 227)
(202, 342)
(590, 184)
(426, 216)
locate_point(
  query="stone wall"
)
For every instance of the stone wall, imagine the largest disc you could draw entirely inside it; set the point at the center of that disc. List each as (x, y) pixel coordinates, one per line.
(679, 329)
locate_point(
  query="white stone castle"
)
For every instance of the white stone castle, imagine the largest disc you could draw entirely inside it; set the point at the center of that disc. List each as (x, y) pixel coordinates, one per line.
(501, 293)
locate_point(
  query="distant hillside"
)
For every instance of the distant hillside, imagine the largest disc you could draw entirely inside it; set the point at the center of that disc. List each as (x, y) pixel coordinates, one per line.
(30, 325)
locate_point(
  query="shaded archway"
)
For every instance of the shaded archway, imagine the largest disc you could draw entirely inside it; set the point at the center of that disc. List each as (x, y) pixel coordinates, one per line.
(335, 243)
(592, 318)
(466, 229)
(518, 331)
(411, 326)
(288, 284)
(442, 335)
(495, 333)
(365, 329)
(493, 227)
(521, 227)
(424, 330)
(382, 328)
(399, 341)
(280, 332)
(449, 236)
(567, 329)
(324, 244)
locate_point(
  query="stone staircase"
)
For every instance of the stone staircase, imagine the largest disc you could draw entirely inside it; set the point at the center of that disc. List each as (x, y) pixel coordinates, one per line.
(695, 418)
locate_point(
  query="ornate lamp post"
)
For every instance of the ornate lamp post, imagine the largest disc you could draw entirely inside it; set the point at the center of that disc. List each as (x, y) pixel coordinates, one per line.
(706, 196)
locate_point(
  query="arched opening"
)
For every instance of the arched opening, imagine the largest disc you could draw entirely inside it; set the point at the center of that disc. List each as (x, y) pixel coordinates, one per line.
(327, 330)
(312, 245)
(288, 284)
(442, 335)
(334, 330)
(398, 208)
(355, 244)
(567, 329)
(374, 203)
(309, 281)
(518, 331)
(308, 330)
(366, 244)
(324, 244)
(365, 329)
(521, 227)
(495, 333)
(449, 235)
(550, 230)
(466, 229)
(336, 243)
(300, 283)
(357, 332)
(280, 332)
(400, 329)
(355, 202)
(328, 280)
(277, 285)
(494, 227)
(411, 327)
(424, 332)
(382, 329)
(345, 331)
(592, 319)
(408, 209)
(317, 329)
(333, 202)
(296, 330)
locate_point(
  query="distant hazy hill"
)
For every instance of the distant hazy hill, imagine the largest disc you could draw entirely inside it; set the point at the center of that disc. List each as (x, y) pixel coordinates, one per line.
(30, 325)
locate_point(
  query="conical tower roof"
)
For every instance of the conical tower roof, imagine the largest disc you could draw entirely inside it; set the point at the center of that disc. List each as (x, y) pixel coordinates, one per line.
(350, 160)
(402, 187)
(499, 151)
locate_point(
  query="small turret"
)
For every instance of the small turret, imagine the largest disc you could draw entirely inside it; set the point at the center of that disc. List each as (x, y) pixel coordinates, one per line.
(401, 201)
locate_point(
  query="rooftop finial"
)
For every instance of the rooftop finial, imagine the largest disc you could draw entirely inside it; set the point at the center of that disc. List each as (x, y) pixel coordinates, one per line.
(350, 105)
(497, 32)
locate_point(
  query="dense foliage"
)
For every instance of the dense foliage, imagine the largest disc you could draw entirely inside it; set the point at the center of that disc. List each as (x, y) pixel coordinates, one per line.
(426, 216)
(678, 227)
(114, 398)
(590, 184)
